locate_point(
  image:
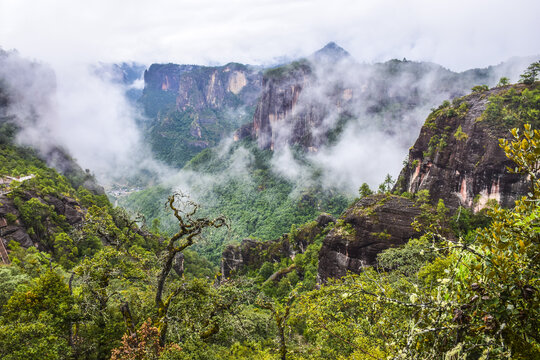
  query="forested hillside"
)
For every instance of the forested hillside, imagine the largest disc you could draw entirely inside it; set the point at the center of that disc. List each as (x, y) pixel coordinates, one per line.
(240, 184)
(293, 158)
(464, 284)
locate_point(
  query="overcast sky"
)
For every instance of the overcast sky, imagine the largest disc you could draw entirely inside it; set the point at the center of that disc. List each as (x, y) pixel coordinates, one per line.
(458, 34)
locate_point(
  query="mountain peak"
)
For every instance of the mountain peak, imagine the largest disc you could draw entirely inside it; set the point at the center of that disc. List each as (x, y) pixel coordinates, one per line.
(331, 51)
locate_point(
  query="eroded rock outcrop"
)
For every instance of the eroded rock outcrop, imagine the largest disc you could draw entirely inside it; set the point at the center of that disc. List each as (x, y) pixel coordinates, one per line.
(193, 107)
(200, 87)
(371, 225)
(297, 107)
(12, 226)
(457, 156)
(251, 254)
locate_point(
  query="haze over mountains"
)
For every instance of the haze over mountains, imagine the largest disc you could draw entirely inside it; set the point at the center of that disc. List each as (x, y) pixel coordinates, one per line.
(244, 225)
(181, 116)
(291, 140)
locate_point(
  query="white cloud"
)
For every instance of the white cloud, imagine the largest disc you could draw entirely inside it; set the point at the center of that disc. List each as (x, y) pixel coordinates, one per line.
(458, 34)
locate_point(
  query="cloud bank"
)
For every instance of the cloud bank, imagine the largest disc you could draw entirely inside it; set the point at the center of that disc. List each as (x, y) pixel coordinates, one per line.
(77, 110)
(458, 34)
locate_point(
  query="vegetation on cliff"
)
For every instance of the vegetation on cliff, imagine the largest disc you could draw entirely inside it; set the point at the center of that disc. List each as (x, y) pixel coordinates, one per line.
(258, 202)
(93, 285)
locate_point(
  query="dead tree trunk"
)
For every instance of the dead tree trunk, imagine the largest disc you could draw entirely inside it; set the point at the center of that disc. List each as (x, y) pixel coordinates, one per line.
(190, 228)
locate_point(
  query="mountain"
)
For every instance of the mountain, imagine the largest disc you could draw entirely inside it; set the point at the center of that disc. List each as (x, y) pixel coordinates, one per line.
(304, 103)
(308, 102)
(405, 273)
(331, 52)
(457, 156)
(456, 164)
(192, 107)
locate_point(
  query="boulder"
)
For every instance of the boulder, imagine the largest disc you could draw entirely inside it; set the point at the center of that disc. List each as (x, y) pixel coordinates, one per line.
(371, 225)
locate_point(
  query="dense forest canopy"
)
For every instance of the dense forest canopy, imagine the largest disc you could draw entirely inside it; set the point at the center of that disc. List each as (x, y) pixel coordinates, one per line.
(84, 279)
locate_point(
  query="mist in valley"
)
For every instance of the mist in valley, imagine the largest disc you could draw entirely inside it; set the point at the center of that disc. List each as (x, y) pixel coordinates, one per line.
(90, 115)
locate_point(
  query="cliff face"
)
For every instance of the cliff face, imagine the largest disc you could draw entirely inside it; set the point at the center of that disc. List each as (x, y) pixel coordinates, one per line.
(251, 254)
(193, 107)
(291, 109)
(371, 225)
(13, 228)
(200, 87)
(309, 101)
(458, 159)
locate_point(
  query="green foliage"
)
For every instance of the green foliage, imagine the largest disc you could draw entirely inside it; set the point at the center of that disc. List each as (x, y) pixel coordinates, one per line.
(10, 279)
(364, 190)
(33, 341)
(36, 319)
(11, 218)
(436, 143)
(196, 266)
(284, 71)
(503, 81)
(480, 88)
(387, 185)
(34, 214)
(459, 135)
(64, 250)
(524, 151)
(514, 107)
(458, 108)
(530, 75)
(409, 259)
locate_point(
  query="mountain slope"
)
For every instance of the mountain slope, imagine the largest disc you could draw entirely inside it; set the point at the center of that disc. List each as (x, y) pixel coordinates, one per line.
(457, 156)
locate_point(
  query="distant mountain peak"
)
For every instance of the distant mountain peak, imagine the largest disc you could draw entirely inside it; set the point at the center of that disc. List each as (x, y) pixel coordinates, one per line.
(331, 51)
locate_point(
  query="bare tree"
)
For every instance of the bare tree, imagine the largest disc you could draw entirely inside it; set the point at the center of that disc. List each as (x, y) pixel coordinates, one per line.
(190, 227)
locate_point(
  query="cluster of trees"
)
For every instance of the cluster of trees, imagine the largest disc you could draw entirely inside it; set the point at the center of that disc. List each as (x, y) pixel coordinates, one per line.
(468, 288)
(466, 293)
(257, 201)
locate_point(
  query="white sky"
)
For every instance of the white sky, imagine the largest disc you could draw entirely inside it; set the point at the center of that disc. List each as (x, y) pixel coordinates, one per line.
(458, 34)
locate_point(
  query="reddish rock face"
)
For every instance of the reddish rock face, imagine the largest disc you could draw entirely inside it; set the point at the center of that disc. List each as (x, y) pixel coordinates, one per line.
(457, 158)
(201, 87)
(289, 114)
(371, 225)
(275, 107)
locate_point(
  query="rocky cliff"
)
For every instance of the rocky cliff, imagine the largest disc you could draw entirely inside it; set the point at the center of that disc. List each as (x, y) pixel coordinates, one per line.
(12, 227)
(299, 105)
(200, 87)
(251, 254)
(193, 107)
(369, 226)
(308, 102)
(457, 156)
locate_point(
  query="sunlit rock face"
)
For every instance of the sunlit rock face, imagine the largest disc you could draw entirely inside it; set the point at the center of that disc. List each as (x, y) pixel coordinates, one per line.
(200, 87)
(457, 158)
(297, 107)
(190, 107)
(371, 225)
